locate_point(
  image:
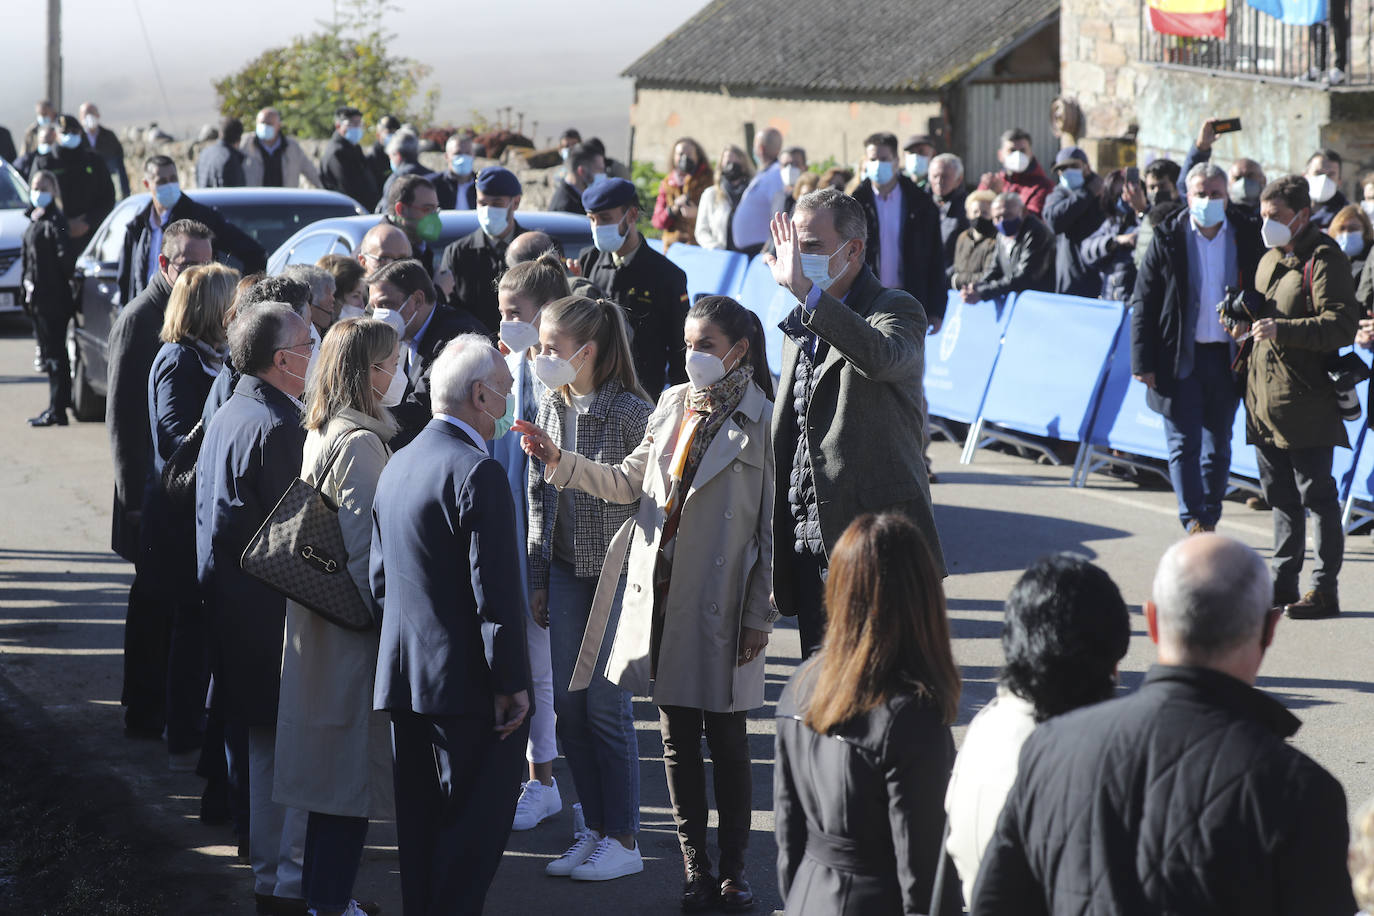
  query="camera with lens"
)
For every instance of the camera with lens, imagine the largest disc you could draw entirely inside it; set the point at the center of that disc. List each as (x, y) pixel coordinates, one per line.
(1239, 306)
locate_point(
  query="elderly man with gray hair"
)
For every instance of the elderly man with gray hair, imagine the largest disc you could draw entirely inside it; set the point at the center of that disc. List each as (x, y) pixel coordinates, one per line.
(1183, 797)
(849, 419)
(403, 149)
(1179, 348)
(452, 667)
(323, 310)
(250, 455)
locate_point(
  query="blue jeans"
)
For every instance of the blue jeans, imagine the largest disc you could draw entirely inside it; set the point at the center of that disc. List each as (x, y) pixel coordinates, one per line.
(596, 725)
(333, 852)
(1198, 428)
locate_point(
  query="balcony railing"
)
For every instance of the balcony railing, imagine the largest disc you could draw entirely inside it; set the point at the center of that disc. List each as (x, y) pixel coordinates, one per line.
(1259, 45)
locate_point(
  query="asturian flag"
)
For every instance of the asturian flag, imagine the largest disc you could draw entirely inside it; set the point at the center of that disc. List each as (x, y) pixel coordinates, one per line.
(1190, 18)
(1293, 12)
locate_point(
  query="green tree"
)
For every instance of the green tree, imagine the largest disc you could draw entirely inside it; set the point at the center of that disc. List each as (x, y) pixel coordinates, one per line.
(348, 63)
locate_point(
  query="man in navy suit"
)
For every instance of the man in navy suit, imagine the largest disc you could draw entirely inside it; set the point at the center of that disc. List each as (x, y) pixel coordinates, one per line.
(452, 667)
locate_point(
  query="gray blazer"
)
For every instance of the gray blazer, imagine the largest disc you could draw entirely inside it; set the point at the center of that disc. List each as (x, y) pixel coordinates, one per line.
(865, 426)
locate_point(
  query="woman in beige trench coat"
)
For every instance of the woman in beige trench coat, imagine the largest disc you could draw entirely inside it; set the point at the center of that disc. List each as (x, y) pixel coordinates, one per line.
(696, 615)
(333, 753)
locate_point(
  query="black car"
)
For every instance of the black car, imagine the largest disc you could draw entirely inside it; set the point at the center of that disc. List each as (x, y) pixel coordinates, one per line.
(269, 215)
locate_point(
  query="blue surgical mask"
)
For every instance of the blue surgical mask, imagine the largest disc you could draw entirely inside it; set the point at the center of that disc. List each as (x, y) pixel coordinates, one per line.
(44, 149)
(816, 267)
(167, 194)
(1208, 212)
(596, 179)
(266, 133)
(917, 165)
(493, 220)
(1352, 243)
(69, 141)
(354, 134)
(878, 172)
(41, 198)
(1071, 178)
(1009, 226)
(507, 419)
(462, 164)
(44, 120)
(608, 238)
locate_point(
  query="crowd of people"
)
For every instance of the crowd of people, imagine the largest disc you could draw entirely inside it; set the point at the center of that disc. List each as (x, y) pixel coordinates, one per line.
(558, 484)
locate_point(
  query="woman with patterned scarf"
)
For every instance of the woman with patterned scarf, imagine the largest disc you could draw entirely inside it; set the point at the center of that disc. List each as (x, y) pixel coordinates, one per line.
(696, 615)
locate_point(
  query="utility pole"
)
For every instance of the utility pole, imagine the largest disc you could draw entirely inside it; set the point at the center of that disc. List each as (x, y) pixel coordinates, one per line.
(54, 61)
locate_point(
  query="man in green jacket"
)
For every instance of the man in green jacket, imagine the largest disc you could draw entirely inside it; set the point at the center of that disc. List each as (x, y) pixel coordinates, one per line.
(1292, 416)
(848, 422)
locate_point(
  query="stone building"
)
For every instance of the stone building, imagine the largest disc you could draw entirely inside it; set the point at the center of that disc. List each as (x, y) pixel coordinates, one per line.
(1134, 83)
(827, 73)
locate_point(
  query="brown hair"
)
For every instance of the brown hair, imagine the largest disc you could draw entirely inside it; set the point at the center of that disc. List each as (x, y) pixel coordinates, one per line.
(599, 320)
(542, 280)
(887, 630)
(343, 377)
(347, 272)
(197, 305)
(1349, 213)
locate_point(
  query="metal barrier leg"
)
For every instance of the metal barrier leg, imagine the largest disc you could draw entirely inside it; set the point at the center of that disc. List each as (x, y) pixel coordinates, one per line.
(975, 433)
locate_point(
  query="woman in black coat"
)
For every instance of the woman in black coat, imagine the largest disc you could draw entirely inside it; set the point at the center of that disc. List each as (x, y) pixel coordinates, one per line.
(885, 684)
(47, 273)
(192, 354)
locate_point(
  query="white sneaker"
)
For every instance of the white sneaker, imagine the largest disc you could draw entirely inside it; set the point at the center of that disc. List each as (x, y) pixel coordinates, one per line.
(1335, 76)
(582, 848)
(538, 803)
(353, 910)
(610, 860)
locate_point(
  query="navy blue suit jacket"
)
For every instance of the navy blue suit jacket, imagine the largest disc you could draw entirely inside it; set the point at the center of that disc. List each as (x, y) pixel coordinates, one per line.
(446, 570)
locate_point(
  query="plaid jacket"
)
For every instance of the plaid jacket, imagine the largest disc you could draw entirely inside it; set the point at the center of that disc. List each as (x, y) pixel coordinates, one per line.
(608, 432)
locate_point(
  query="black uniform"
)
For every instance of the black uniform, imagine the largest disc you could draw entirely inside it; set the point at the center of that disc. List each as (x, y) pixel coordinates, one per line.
(477, 261)
(342, 168)
(138, 240)
(446, 185)
(220, 166)
(47, 291)
(378, 162)
(85, 182)
(106, 145)
(566, 199)
(653, 292)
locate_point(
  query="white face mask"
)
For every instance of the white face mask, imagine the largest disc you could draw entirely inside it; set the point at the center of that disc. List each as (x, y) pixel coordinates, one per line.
(91, 122)
(493, 220)
(1276, 234)
(705, 369)
(519, 335)
(816, 267)
(351, 311)
(790, 174)
(393, 318)
(395, 389)
(1016, 162)
(1321, 188)
(554, 371)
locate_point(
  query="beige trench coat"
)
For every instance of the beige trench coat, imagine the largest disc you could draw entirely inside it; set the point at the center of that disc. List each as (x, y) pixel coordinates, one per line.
(722, 565)
(333, 751)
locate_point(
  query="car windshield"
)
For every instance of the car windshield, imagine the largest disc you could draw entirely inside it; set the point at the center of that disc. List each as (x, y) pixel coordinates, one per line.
(273, 224)
(14, 193)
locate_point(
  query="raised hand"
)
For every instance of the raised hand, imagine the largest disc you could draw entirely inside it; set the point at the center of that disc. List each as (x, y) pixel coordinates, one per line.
(786, 262)
(537, 443)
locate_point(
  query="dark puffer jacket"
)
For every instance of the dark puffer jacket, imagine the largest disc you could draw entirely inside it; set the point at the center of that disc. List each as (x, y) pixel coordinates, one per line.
(1182, 798)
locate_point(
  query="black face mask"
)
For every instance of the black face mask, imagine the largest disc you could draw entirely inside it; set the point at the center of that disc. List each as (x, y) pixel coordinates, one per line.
(686, 165)
(983, 225)
(1161, 196)
(732, 171)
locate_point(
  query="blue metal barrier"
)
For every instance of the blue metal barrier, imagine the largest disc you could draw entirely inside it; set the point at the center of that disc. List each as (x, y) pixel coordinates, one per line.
(961, 357)
(1124, 422)
(710, 271)
(1049, 373)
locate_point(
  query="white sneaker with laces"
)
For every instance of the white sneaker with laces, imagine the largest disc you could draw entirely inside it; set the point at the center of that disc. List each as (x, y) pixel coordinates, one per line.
(610, 860)
(582, 848)
(537, 803)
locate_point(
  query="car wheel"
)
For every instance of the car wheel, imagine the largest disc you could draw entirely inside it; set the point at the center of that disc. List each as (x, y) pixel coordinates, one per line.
(86, 404)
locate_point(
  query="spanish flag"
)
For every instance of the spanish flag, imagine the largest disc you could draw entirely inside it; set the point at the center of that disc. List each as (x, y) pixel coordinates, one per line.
(1189, 18)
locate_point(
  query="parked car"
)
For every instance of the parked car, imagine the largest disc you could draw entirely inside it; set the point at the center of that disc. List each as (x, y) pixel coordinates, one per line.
(14, 200)
(343, 235)
(269, 215)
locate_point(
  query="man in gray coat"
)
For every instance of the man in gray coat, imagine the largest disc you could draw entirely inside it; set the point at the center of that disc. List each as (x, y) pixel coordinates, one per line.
(847, 426)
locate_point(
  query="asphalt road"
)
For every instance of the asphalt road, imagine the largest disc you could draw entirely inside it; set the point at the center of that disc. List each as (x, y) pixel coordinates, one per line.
(62, 599)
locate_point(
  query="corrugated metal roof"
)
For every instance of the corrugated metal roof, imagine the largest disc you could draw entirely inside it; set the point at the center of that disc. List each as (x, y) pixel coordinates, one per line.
(838, 45)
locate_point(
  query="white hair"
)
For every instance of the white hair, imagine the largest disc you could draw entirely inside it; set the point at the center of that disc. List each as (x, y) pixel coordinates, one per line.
(948, 159)
(1207, 171)
(465, 360)
(406, 142)
(1212, 594)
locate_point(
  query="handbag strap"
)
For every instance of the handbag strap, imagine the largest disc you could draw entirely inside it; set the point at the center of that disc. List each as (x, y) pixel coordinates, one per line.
(334, 454)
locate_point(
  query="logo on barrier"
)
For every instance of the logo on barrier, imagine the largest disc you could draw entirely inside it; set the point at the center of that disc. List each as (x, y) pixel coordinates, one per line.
(949, 334)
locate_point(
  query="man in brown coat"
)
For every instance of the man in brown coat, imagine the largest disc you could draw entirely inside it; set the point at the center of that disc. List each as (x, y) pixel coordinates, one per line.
(1292, 417)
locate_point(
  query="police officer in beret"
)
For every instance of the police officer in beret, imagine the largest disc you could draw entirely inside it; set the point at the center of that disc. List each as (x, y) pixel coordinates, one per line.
(478, 259)
(651, 289)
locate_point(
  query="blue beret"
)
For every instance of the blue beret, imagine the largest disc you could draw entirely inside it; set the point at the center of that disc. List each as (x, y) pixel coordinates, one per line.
(498, 182)
(609, 194)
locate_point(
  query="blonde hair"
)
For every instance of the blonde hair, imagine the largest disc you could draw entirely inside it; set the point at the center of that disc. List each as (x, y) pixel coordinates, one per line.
(971, 203)
(744, 160)
(198, 303)
(1352, 213)
(1362, 857)
(343, 376)
(808, 182)
(597, 321)
(541, 280)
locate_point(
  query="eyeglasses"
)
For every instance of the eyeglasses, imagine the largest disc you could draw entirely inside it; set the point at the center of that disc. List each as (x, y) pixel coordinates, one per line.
(308, 343)
(381, 258)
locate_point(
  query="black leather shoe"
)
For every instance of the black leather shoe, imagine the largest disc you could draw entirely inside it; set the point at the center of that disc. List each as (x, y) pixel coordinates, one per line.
(49, 417)
(735, 894)
(700, 892)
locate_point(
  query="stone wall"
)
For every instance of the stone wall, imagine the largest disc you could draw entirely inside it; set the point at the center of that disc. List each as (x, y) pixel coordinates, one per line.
(1099, 42)
(824, 127)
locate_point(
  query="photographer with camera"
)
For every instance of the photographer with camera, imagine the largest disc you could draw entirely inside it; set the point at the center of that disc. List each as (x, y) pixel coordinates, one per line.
(1179, 349)
(1292, 403)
